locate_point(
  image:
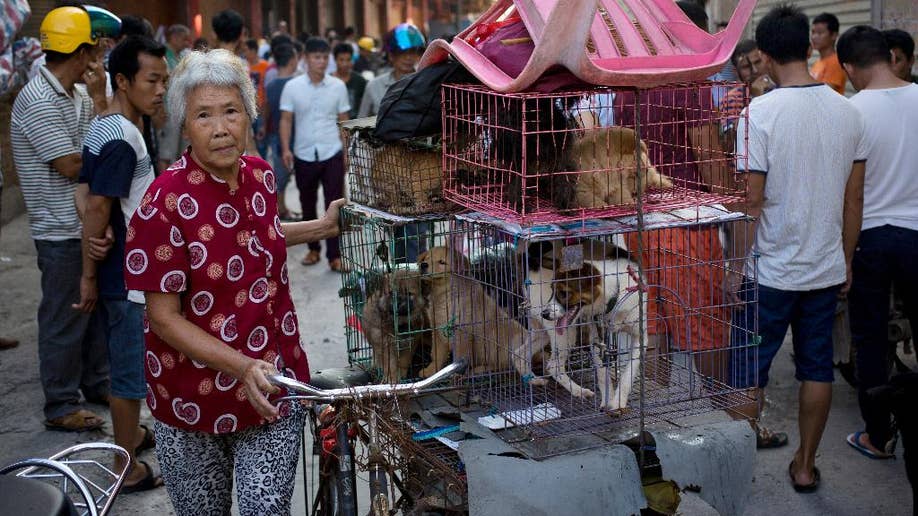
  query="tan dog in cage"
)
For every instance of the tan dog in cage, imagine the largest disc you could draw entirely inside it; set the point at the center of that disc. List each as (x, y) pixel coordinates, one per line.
(606, 155)
(395, 322)
(406, 179)
(481, 330)
(601, 295)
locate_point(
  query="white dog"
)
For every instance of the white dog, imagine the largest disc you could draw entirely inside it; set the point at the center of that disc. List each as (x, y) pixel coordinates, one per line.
(601, 295)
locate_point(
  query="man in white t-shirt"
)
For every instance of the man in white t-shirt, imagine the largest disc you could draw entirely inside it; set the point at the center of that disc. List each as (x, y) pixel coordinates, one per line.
(887, 250)
(316, 102)
(804, 176)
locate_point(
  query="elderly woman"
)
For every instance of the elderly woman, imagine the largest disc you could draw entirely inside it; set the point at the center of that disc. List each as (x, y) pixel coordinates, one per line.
(207, 247)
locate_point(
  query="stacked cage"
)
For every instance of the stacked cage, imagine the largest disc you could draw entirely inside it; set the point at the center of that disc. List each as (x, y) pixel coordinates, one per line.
(586, 287)
(573, 333)
(403, 177)
(397, 213)
(384, 291)
(537, 158)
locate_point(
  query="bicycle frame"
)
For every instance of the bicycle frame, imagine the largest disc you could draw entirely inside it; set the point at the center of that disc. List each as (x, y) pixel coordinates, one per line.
(342, 459)
(68, 468)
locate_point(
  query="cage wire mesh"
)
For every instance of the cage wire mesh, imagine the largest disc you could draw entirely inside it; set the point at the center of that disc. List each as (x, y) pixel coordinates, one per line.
(428, 471)
(553, 326)
(537, 158)
(402, 178)
(387, 329)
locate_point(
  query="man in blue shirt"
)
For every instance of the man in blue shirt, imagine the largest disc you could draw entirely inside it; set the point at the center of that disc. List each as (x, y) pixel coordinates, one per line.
(285, 59)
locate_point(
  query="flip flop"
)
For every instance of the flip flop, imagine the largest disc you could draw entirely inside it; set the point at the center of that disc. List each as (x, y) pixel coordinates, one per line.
(80, 421)
(337, 266)
(148, 482)
(311, 258)
(854, 441)
(147, 443)
(804, 488)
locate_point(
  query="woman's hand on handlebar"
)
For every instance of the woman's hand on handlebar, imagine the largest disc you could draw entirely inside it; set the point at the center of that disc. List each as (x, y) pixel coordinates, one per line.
(257, 387)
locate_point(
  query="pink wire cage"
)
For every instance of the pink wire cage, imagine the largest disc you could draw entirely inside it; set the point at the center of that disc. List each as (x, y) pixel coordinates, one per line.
(574, 156)
(638, 43)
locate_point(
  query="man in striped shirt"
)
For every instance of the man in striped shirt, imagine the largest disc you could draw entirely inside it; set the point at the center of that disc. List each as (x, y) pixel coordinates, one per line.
(49, 119)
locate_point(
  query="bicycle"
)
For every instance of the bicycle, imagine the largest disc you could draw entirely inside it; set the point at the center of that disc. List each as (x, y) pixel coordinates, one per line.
(348, 413)
(83, 485)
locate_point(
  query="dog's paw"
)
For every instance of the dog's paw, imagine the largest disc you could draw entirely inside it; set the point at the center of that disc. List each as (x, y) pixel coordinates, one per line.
(538, 381)
(583, 393)
(616, 411)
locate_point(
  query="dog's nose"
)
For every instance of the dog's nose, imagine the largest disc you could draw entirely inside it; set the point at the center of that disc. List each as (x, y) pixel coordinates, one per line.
(423, 266)
(546, 314)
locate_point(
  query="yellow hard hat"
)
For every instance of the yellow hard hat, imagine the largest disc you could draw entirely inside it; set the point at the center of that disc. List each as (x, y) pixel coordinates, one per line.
(367, 43)
(64, 29)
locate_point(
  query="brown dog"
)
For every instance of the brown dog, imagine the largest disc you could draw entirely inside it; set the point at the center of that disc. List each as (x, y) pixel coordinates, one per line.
(480, 329)
(406, 179)
(606, 157)
(395, 322)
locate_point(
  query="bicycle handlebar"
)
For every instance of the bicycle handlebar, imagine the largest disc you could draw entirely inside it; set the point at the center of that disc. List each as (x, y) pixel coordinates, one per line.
(306, 391)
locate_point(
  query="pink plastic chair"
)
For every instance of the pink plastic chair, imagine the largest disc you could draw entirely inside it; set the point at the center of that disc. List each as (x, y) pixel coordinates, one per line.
(643, 43)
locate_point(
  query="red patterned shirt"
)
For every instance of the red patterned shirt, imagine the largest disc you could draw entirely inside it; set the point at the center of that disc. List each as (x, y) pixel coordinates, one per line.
(224, 251)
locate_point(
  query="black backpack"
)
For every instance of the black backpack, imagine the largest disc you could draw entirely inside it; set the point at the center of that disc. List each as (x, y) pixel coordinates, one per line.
(412, 106)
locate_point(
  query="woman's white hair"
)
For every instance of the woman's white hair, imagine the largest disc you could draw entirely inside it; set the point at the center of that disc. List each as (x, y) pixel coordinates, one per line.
(211, 68)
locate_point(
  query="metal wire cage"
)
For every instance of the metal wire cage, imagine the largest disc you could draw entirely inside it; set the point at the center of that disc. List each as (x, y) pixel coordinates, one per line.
(385, 297)
(428, 471)
(403, 178)
(601, 333)
(535, 158)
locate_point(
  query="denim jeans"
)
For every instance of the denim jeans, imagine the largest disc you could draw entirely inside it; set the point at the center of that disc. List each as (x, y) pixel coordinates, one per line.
(885, 258)
(124, 321)
(809, 314)
(72, 350)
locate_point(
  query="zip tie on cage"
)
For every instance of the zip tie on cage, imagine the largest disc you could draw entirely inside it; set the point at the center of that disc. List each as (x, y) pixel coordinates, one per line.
(450, 328)
(637, 279)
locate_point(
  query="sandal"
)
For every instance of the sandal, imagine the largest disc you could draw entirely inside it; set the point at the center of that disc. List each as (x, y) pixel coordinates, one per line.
(148, 482)
(337, 266)
(765, 438)
(80, 421)
(311, 258)
(804, 488)
(854, 440)
(147, 443)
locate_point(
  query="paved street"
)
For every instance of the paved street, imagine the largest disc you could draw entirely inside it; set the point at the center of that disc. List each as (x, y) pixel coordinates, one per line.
(852, 485)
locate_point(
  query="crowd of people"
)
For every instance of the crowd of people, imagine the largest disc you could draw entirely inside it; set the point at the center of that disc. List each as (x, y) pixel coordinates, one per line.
(150, 172)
